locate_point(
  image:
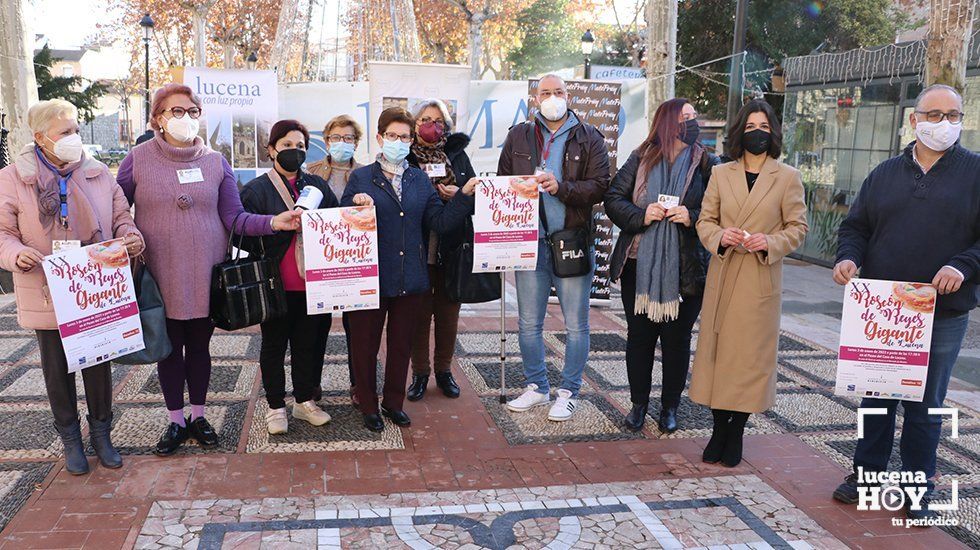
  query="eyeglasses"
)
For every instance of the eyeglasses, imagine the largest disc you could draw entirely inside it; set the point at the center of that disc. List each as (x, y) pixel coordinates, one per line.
(179, 112)
(404, 138)
(954, 117)
(438, 122)
(337, 138)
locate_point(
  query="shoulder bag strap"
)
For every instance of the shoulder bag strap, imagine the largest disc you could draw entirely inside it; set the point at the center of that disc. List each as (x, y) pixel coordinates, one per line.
(287, 198)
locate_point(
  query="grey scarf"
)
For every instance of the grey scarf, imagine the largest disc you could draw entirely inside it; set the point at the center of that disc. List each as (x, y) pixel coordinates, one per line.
(658, 268)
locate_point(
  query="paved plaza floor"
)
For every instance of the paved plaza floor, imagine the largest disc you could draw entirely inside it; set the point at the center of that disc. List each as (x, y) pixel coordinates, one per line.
(468, 473)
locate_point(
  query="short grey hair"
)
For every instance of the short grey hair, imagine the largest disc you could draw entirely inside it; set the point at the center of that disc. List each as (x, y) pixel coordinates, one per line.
(438, 104)
(929, 89)
(553, 75)
(42, 114)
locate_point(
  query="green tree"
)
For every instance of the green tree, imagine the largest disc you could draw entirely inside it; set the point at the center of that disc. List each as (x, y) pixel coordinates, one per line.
(68, 88)
(776, 29)
(550, 40)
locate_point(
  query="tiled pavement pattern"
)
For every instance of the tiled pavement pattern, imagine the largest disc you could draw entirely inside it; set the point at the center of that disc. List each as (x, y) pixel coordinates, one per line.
(794, 452)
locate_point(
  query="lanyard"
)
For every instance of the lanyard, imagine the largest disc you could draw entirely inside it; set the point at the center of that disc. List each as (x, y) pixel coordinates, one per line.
(63, 195)
(545, 149)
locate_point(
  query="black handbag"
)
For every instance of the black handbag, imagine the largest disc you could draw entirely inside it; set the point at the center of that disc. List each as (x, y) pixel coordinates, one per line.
(246, 291)
(569, 249)
(461, 284)
(153, 320)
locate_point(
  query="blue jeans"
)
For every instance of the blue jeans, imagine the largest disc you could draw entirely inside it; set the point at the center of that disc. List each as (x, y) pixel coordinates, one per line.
(920, 431)
(533, 289)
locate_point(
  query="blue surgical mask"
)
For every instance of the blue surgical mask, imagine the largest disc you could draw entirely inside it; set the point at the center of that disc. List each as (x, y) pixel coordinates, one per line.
(395, 151)
(341, 152)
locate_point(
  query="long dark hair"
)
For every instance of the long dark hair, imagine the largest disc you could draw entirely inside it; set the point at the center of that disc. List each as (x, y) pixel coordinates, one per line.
(663, 131)
(736, 130)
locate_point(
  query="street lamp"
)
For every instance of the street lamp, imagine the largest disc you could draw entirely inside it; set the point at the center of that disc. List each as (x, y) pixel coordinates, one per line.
(251, 60)
(147, 23)
(588, 42)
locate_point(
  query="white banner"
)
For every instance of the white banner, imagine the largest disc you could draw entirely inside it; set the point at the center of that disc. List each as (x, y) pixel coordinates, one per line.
(493, 107)
(240, 108)
(885, 336)
(95, 303)
(340, 250)
(505, 224)
(407, 85)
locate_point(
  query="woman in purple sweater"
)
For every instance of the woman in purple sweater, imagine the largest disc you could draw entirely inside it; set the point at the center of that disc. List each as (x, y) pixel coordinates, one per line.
(186, 201)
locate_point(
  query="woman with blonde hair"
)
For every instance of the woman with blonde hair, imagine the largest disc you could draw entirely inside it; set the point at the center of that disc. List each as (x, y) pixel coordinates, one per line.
(54, 192)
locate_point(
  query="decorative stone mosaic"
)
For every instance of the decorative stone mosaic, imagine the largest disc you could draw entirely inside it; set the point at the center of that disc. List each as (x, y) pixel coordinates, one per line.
(595, 420)
(344, 432)
(17, 481)
(676, 513)
(230, 380)
(136, 427)
(27, 431)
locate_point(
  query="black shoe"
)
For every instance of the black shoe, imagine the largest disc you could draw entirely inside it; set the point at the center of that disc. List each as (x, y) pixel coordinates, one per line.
(201, 430)
(447, 384)
(637, 416)
(373, 422)
(923, 514)
(173, 437)
(732, 455)
(719, 434)
(417, 390)
(98, 432)
(849, 491)
(668, 420)
(71, 437)
(398, 417)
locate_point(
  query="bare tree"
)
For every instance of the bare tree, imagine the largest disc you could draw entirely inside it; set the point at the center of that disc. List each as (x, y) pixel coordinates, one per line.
(475, 17)
(661, 16)
(18, 88)
(950, 27)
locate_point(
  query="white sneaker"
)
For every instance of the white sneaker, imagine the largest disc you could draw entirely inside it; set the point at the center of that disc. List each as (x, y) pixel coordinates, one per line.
(563, 408)
(276, 421)
(310, 412)
(528, 400)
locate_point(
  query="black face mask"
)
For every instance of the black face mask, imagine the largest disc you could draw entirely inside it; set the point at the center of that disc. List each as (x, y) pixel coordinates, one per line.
(291, 159)
(691, 132)
(756, 141)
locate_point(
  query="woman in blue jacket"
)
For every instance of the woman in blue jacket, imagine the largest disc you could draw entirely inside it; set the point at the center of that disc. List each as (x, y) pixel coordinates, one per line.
(408, 208)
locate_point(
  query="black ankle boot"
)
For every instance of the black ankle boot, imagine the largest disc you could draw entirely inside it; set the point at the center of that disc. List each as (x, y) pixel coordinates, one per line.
(447, 384)
(719, 434)
(71, 437)
(417, 390)
(668, 420)
(732, 455)
(637, 417)
(98, 432)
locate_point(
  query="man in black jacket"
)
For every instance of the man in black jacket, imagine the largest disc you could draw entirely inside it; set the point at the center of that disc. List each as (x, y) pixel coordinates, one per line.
(570, 158)
(917, 219)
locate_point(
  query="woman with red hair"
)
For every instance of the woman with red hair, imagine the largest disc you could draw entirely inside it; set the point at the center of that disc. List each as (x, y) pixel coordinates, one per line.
(655, 199)
(186, 199)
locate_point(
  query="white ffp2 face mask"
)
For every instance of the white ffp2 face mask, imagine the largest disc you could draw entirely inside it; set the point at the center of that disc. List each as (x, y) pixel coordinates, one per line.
(554, 108)
(938, 136)
(68, 148)
(183, 129)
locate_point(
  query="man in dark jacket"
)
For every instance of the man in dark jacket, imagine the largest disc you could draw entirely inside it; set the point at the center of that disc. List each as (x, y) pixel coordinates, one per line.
(570, 159)
(917, 219)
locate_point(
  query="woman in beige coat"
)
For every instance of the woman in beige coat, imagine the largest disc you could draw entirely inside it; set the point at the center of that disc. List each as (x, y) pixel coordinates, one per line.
(752, 216)
(54, 192)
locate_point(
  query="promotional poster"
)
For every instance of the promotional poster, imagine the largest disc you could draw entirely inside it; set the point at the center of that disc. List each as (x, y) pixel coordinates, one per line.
(886, 331)
(505, 224)
(95, 303)
(340, 248)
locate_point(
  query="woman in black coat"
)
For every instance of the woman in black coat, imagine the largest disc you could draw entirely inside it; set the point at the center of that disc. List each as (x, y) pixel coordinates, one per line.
(306, 335)
(442, 155)
(657, 241)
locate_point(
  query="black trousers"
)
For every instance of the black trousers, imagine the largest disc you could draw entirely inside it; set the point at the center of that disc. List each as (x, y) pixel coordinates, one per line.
(60, 384)
(306, 337)
(641, 343)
